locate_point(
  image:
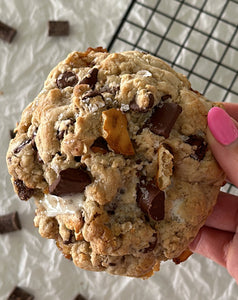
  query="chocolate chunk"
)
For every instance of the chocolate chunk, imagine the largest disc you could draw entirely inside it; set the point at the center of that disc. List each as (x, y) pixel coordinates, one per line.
(9, 223)
(200, 144)
(77, 158)
(91, 78)
(58, 28)
(100, 146)
(23, 191)
(151, 244)
(91, 94)
(7, 33)
(163, 118)
(151, 200)
(135, 107)
(12, 133)
(70, 181)
(65, 79)
(20, 294)
(165, 97)
(79, 297)
(22, 145)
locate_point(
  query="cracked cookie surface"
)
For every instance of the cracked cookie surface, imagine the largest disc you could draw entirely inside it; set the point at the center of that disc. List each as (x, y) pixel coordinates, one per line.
(114, 151)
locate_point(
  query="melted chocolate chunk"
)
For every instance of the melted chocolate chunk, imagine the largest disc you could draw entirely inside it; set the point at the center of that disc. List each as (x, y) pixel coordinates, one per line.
(23, 191)
(77, 158)
(21, 146)
(7, 33)
(151, 244)
(9, 223)
(66, 79)
(151, 200)
(20, 294)
(200, 144)
(91, 78)
(70, 181)
(100, 145)
(165, 97)
(58, 28)
(163, 118)
(135, 107)
(91, 94)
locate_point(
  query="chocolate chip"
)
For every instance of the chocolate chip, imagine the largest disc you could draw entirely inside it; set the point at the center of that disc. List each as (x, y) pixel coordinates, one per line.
(151, 244)
(135, 107)
(71, 238)
(65, 79)
(58, 28)
(163, 118)
(70, 181)
(20, 294)
(151, 200)
(21, 146)
(91, 94)
(91, 78)
(9, 223)
(7, 33)
(200, 144)
(100, 146)
(79, 297)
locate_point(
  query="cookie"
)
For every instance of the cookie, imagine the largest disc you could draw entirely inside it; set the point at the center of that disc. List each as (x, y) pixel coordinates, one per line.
(114, 151)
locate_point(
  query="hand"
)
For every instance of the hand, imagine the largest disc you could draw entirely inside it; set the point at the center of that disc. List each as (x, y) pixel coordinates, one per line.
(218, 239)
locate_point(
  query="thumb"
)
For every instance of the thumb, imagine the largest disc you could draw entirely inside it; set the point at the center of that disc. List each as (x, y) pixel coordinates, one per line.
(223, 139)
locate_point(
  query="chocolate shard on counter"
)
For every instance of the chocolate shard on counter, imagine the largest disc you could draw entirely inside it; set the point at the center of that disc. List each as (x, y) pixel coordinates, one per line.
(58, 28)
(163, 118)
(20, 294)
(70, 181)
(79, 297)
(9, 223)
(151, 200)
(7, 33)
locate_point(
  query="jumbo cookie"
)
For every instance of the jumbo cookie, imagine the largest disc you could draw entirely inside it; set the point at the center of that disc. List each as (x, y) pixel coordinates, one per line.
(114, 151)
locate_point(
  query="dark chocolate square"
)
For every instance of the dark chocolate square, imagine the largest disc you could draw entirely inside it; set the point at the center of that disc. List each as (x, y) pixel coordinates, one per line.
(7, 33)
(58, 28)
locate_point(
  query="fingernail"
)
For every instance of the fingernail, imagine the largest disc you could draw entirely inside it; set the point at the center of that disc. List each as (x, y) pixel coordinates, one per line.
(221, 126)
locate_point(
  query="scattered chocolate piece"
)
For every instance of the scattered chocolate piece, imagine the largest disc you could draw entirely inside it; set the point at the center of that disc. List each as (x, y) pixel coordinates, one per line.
(10, 222)
(151, 200)
(58, 28)
(151, 244)
(200, 144)
(100, 146)
(20, 294)
(135, 107)
(7, 33)
(79, 297)
(91, 78)
(22, 145)
(23, 191)
(65, 79)
(70, 181)
(163, 118)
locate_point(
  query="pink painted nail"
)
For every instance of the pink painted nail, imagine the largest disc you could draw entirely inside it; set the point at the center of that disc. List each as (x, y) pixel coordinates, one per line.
(221, 126)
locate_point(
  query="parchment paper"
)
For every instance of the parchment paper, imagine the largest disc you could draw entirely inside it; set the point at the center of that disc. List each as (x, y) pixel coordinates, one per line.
(26, 259)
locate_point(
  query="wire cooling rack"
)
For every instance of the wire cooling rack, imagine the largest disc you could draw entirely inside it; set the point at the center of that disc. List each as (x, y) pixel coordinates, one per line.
(198, 38)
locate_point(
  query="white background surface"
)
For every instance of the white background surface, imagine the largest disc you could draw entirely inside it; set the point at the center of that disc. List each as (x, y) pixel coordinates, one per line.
(26, 259)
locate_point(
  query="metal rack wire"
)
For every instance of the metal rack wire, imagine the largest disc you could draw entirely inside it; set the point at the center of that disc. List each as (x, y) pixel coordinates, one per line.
(198, 38)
